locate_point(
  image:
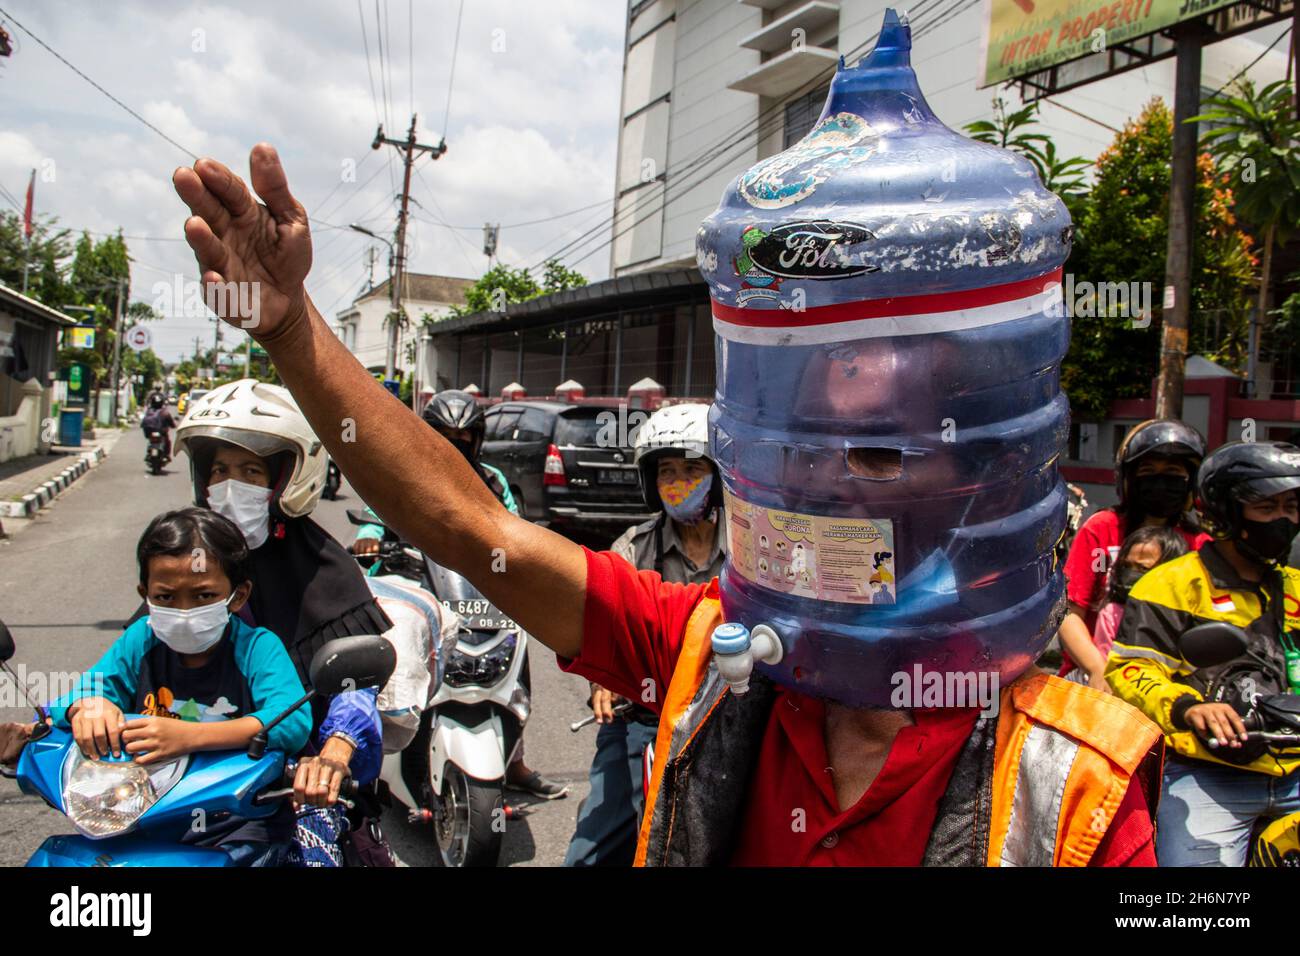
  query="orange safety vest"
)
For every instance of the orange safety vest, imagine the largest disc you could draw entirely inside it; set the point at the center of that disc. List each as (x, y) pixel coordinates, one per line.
(1062, 759)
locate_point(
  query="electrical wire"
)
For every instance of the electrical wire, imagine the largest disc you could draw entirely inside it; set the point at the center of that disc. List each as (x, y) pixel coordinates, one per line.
(451, 78)
(58, 56)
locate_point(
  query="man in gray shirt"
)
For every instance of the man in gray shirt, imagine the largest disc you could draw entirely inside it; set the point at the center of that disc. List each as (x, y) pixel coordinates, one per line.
(684, 543)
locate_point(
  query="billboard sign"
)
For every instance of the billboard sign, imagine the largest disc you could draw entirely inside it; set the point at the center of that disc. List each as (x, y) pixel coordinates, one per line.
(1022, 37)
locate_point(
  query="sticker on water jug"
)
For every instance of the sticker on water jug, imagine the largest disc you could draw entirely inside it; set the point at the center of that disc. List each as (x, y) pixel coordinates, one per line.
(834, 144)
(848, 560)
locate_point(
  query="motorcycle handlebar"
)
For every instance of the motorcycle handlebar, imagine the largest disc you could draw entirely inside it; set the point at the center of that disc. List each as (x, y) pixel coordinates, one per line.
(349, 791)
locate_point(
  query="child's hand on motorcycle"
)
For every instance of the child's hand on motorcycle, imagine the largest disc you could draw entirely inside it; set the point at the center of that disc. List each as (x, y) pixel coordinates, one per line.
(1217, 721)
(158, 739)
(13, 738)
(97, 725)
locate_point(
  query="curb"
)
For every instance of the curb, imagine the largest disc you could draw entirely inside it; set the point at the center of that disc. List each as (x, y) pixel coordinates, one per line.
(47, 491)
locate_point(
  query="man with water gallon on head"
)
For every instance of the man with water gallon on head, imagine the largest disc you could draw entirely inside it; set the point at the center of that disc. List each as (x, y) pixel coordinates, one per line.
(856, 688)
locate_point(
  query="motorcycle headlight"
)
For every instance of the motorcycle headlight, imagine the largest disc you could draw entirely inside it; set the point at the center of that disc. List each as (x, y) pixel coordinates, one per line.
(481, 669)
(106, 798)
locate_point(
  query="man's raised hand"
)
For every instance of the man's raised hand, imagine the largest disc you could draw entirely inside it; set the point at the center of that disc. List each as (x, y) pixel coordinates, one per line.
(253, 255)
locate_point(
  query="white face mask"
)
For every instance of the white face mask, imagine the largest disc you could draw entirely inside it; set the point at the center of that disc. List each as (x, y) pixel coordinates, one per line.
(192, 631)
(245, 505)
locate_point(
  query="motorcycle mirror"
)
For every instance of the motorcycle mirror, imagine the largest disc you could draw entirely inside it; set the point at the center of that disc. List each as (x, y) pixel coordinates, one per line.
(358, 517)
(350, 663)
(6, 643)
(1212, 643)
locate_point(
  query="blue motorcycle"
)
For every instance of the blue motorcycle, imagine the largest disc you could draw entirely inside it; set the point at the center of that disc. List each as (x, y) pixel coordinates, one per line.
(130, 815)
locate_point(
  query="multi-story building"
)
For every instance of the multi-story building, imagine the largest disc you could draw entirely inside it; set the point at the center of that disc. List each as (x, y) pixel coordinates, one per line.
(363, 330)
(712, 86)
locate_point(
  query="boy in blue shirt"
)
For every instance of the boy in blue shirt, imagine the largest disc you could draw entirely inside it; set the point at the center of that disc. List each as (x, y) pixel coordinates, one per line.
(201, 677)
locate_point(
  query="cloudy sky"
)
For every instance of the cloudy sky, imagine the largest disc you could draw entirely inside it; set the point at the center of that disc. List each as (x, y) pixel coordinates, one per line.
(531, 131)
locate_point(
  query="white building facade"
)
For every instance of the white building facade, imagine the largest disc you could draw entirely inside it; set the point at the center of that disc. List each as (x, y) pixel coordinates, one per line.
(362, 326)
(709, 88)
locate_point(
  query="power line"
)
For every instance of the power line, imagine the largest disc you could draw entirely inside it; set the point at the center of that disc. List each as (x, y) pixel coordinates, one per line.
(451, 78)
(747, 130)
(1246, 68)
(529, 222)
(75, 70)
(365, 45)
(680, 186)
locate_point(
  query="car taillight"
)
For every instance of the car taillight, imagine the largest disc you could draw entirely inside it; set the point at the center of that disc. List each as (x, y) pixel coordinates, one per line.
(553, 472)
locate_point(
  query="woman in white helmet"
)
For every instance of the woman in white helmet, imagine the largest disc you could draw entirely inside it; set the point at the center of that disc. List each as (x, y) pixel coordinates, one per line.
(684, 542)
(255, 460)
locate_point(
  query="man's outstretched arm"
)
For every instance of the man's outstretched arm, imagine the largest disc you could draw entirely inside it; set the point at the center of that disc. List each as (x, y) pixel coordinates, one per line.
(412, 477)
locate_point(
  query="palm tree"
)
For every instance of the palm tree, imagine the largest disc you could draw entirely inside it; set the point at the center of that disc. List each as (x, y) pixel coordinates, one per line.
(1255, 139)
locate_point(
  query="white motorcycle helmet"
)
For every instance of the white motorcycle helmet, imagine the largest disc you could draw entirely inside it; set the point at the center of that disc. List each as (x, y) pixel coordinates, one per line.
(677, 429)
(265, 420)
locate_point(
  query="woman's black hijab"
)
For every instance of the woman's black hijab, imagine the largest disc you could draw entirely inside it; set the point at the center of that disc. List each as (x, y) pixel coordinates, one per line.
(306, 587)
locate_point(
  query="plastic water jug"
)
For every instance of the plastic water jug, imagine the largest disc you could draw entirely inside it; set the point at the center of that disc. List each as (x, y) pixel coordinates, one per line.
(888, 418)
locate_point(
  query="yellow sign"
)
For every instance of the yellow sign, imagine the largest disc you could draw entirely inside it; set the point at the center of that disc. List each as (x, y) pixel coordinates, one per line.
(1025, 36)
(79, 337)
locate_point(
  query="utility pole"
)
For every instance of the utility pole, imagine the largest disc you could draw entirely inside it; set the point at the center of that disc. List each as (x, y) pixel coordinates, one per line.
(216, 349)
(408, 149)
(1182, 217)
(117, 346)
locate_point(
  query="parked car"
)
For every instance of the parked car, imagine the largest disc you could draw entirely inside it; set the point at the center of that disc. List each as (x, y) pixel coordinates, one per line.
(568, 466)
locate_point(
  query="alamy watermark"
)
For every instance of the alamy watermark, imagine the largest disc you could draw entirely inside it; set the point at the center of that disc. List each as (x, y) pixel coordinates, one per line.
(920, 688)
(189, 299)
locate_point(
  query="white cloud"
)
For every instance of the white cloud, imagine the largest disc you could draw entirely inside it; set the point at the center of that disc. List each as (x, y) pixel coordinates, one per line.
(532, 132)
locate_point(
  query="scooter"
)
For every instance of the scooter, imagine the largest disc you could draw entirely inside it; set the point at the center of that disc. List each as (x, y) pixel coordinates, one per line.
(130, 815)
(155, 455)
(452, 774)
(1271, 720)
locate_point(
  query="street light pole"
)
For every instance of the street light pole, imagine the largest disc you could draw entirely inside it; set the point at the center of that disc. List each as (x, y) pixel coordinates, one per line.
(393, 300)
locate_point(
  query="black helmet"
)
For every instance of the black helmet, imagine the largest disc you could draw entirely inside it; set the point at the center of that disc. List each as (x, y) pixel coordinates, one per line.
(454, 409)
(1167, 437)
(1244, 471)
(156, 400)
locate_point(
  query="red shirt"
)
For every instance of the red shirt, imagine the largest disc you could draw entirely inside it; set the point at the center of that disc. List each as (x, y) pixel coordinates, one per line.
(1093, 551)
(633, 630)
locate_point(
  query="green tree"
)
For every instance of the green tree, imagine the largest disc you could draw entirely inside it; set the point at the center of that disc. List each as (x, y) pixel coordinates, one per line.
(1016, 131)
(1255, 140)
(46, 259)
(502, 285)
(1121, 232)
(558, 278)
(145, 364)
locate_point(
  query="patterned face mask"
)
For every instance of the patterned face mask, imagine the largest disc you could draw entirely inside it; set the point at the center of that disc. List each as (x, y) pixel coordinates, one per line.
(686, 501)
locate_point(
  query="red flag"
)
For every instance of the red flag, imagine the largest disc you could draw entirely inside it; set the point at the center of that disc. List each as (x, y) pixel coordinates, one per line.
(27, 213)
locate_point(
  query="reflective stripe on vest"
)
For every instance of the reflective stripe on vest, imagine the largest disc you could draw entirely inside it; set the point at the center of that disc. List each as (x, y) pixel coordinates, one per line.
(1063, 759)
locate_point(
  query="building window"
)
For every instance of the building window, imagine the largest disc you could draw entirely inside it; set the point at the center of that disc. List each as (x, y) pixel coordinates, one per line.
(802, 113)
(1083, 442)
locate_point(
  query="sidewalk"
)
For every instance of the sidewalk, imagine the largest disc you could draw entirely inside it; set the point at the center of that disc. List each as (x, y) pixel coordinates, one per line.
(29, 483)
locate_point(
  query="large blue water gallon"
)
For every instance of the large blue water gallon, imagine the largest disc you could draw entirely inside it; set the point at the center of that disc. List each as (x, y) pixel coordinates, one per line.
(886, 295)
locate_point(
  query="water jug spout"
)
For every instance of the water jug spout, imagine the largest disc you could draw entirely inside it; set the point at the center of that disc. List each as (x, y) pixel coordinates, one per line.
(736, 649)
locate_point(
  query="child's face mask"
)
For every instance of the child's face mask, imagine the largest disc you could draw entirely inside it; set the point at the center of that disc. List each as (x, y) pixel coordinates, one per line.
(192, 631)
(246, 506)
(686, 500)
